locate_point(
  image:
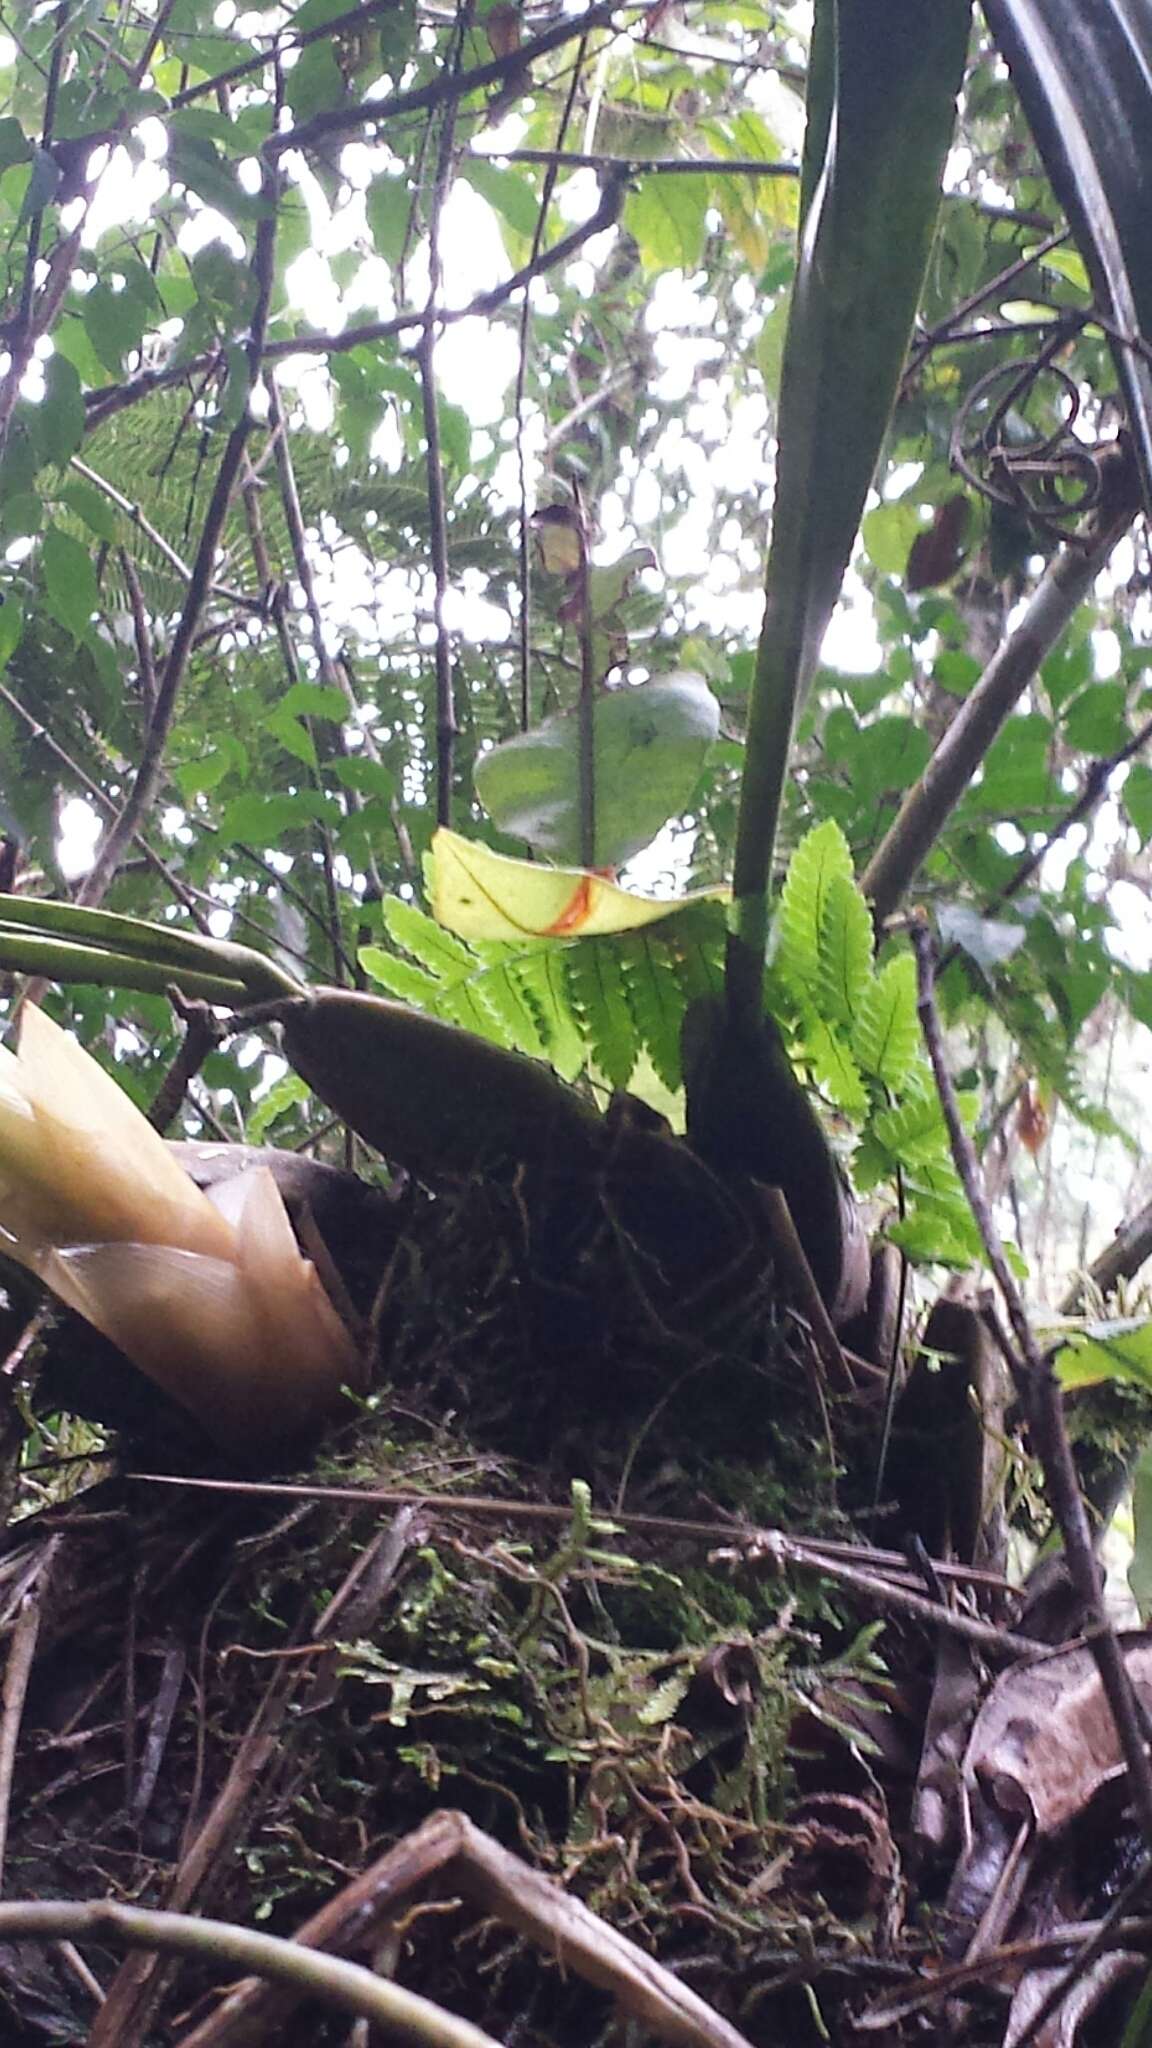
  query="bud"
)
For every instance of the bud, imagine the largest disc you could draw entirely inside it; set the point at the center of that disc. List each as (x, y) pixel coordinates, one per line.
(212, 1300)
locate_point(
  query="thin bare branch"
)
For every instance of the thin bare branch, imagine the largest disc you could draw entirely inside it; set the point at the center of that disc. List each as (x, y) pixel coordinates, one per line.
(1044, 1404)
(150, 769)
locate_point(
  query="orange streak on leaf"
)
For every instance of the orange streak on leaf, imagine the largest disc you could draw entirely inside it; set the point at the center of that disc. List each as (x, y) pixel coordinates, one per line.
(576, 911)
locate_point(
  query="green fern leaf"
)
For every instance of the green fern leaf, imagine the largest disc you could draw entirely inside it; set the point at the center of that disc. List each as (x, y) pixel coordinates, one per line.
(913, 1133)
(498, 986)
(693, 942)
(600, 998)
(822, 857)
(886, 1035)
(844, 973)
(833, 1068)
(426, 941)
(466, 1002)
(400, 977)
(658, 1001)
(542, 975)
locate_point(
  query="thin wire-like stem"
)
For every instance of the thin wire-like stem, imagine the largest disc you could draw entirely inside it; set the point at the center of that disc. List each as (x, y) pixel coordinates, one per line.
(1044, 1406)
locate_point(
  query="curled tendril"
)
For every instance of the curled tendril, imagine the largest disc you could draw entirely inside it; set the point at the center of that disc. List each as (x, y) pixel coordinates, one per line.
(1052, 478)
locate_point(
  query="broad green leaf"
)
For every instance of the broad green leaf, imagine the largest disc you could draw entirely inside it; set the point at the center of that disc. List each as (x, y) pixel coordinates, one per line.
(69, 581)
(11, 627)
(97, 512)
(115, 322)
(314, 700)
(888, 533)
(293, 737)
(651, 743)
(196, 778)
(1107, 1351)
(15, 147)
(484, 895)
(508, 192)
(263, 820)
(58, 422)
(886, 1032)
(668, 217)
(197, 163)
(1095, 720)
(388, 207)
(1138, 798)
(315, 81)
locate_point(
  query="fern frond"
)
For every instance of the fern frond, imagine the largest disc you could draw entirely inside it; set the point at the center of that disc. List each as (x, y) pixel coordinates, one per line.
(844, 970)
(822, 857)
(886, 1034)
(600, 997)
(833, 1068)
(658, 1000)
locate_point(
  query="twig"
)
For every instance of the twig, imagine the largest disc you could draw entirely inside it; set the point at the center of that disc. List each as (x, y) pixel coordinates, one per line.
(27, 327)
(150, 768)
(1044, 1407)
(104, 802)
(795, 1268)
(463, 1858)
(650, 166)
(449, 86)
(348, 1986)
(294, 519)
(446, 727)
(144, 525)
(525, 537)
(201, 1036)
(286, 39)
(17, 1672)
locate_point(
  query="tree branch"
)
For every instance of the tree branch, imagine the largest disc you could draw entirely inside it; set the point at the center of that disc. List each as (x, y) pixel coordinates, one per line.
(930, 802)
(151, 765)
(449, 86)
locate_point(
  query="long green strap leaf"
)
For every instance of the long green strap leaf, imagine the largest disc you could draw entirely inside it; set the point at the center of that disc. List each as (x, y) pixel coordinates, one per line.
(187, 956)
(883, 83)
(1083, 70)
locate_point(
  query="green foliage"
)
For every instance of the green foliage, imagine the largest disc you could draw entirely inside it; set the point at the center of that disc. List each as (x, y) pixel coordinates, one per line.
(594, 1005)
(297, 786)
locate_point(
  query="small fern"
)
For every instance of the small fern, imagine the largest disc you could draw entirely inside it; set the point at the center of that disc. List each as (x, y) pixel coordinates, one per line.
(594, 1005)
(612, 1008)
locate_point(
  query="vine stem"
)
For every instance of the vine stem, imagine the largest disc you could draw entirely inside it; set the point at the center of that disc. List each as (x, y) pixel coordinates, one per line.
(315, 1975)
(1043, 1405)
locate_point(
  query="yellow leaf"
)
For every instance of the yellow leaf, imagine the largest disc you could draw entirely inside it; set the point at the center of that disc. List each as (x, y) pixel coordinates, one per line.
(484, 895)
